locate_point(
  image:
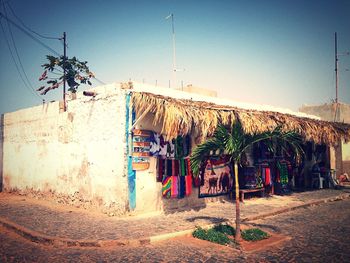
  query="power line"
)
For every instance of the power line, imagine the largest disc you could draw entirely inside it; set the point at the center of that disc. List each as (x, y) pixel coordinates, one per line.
(24, 30)
(13, 58)
(100, 81)
(30, 35)
(18, 57)
(28, 28)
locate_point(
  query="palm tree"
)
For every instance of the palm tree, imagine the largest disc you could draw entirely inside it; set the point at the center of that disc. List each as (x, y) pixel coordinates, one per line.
(234, 142)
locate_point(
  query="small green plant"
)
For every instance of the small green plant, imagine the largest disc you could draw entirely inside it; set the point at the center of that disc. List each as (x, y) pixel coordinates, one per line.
(254, 234)
(211, 235)
(225, 229)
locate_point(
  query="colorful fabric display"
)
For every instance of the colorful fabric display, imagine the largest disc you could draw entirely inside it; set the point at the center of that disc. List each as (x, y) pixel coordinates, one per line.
(155, 144)
(182, 166)
(170, 152)
(189, 170)
(268, 180)
(188, 179)
(166, 187)
(174, 186)
(162, 146)
(182, 187)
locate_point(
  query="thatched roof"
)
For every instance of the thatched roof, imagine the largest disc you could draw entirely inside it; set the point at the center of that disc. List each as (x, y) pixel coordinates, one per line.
(183, 116)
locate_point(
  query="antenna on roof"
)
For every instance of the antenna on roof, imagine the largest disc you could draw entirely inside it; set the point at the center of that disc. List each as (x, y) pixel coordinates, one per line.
(337, 65)
(174, 48)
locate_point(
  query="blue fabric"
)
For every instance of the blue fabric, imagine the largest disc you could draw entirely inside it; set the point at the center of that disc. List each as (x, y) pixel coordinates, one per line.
(182, 187)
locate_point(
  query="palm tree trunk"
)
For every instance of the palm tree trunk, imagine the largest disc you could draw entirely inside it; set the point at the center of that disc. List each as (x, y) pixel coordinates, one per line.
(238, 212)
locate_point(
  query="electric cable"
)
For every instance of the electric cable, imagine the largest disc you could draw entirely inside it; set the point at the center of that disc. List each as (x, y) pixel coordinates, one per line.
(27, 27)
(100, 81)
(29, 34)
(18, 57)
(13, 58)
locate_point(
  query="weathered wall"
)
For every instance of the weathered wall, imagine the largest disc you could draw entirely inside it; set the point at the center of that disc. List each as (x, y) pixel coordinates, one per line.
(334, 112)
(78, 154)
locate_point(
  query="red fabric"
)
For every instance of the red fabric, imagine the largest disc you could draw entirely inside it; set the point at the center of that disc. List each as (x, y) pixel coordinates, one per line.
(267, 176)
(188, 179)
(189, 171)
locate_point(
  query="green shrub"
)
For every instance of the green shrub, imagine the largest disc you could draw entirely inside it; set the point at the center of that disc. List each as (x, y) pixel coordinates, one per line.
(200, 233)
(211, 235)
(254, 234)
(225, 229)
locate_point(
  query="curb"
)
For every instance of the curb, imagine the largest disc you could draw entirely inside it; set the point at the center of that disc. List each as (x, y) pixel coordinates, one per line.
(43, 239)
(292, 208)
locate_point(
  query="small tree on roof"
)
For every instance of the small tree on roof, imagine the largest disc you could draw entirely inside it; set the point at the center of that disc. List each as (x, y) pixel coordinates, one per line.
(77, 72)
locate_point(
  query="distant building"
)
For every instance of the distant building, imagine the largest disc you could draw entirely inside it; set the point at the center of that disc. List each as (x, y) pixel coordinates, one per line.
(338, 112)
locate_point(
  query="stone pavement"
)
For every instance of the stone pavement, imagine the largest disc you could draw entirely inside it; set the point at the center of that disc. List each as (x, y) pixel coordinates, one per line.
(50, 224)
(317, 234)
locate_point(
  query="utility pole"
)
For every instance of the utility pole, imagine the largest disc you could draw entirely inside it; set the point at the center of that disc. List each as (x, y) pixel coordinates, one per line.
(336, 67)
(64, 70)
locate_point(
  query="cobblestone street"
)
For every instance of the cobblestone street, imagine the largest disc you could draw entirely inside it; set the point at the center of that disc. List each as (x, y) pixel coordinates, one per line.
(319, 234)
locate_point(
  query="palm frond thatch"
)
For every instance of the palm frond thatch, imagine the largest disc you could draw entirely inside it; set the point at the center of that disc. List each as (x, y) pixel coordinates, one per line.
(182, 116)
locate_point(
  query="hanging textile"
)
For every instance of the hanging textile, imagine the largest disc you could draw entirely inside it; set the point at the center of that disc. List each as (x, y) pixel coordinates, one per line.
(174, 186)
(160, 172)
(268, 180)
(217, 177)
(188, 179)
(166, 187)
(154, 144)
(169, 166)
(182, 187)
(170, 149)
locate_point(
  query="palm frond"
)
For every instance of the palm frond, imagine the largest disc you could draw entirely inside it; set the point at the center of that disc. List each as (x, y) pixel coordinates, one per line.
(201, 152)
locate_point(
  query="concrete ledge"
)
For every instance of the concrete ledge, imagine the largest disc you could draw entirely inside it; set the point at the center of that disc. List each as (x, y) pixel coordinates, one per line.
(66, 242)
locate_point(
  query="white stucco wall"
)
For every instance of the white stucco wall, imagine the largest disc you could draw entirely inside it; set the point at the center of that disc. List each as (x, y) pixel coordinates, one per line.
(78, 154)
(340, 156)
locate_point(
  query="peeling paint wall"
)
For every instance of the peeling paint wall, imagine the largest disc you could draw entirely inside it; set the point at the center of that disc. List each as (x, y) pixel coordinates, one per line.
(77, 154)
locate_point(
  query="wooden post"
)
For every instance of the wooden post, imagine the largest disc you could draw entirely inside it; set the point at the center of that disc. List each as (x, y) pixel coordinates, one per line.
(238, 212)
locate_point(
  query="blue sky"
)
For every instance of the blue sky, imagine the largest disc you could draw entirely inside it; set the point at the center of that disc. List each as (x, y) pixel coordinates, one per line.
(268, 52)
